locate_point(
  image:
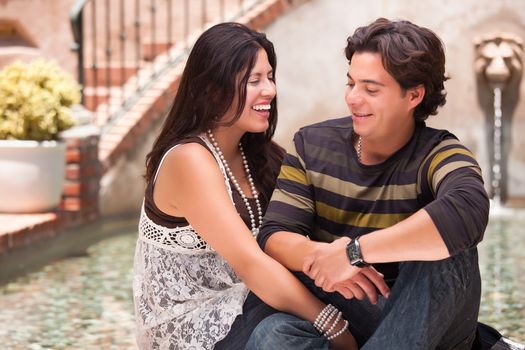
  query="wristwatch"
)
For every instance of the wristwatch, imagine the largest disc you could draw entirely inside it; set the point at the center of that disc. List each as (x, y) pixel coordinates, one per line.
(353, 251)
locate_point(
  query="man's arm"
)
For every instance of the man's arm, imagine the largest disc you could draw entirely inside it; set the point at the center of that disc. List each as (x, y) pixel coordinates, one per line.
(290, 215)
(288, 223)
(453, 222)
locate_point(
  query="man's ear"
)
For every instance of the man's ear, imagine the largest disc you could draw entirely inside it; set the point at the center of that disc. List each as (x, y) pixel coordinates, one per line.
(416, 95)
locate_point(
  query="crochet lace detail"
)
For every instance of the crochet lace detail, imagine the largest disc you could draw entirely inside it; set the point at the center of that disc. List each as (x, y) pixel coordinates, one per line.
(179, 239)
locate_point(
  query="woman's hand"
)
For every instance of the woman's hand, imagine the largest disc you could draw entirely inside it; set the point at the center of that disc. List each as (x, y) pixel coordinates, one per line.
(345, 341)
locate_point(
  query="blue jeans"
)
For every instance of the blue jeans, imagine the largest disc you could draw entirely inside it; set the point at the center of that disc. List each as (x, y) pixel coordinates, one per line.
(433, 305)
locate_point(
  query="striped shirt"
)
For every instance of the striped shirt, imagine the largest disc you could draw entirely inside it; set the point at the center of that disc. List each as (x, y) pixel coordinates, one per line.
(324, 192)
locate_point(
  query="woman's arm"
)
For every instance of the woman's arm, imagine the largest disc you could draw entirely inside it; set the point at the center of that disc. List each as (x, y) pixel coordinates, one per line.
(190, 184)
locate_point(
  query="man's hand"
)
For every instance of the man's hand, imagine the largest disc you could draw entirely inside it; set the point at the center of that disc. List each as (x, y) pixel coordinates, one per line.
(366, 283)
(329, 267)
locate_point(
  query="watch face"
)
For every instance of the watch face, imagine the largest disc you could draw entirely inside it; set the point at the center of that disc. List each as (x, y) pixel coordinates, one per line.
(354, 255)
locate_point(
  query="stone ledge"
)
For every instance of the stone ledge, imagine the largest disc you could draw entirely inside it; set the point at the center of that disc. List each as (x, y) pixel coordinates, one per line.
(16, 222)
(19, 230)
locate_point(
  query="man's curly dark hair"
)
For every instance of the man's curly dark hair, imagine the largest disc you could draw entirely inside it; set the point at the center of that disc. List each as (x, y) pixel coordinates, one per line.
(413, 55)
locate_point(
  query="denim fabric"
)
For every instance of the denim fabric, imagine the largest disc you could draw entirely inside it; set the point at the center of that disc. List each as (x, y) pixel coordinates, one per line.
(433, 305)
(254, 310)
(363, 317)
(281, 331)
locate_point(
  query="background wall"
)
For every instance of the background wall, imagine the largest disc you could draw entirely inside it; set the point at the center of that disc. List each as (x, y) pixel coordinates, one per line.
(42, 23)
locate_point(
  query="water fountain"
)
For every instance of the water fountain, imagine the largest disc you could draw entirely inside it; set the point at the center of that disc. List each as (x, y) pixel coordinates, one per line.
(499, 69)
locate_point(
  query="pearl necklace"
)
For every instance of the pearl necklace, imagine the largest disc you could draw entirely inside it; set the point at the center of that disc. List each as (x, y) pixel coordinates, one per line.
(254, 228)
(359, 148)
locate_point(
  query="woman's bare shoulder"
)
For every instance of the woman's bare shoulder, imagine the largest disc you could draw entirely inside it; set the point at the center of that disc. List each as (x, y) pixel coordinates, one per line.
(188, 154)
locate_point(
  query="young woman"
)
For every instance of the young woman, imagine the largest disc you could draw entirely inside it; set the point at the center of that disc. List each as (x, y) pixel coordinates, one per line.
(209, 178)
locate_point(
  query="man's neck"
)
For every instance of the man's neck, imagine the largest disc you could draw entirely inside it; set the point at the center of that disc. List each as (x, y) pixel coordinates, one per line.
(378, 151)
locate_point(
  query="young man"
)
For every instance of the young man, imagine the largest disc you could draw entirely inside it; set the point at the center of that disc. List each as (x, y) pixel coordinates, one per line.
(382, 188)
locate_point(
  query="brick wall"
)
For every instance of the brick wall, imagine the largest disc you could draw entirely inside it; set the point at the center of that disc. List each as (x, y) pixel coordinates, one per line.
(83, 174)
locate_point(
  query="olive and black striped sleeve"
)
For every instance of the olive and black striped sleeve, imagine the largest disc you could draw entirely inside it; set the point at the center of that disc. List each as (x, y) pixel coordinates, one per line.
(324, 192)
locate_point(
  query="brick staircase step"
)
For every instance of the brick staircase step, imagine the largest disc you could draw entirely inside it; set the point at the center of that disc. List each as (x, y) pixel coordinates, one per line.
(152, 50)
(114, 73)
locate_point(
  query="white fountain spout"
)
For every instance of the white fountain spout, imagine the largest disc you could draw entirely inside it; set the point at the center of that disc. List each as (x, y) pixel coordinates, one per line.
(496, 167)
(499, 69)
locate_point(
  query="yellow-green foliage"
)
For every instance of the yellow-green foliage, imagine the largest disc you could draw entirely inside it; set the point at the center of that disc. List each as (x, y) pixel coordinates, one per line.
(35, 100)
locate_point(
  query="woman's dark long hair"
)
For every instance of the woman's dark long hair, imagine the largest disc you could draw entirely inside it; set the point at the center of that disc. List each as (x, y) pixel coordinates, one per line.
(207, 89)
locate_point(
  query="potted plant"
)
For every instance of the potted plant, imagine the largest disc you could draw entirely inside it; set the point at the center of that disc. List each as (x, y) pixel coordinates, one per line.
(35, 100)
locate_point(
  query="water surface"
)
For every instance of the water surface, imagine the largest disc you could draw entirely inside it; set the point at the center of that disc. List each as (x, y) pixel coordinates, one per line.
(84, 301)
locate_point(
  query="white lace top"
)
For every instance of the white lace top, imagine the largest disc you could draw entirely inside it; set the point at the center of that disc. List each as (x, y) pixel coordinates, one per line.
(186, 295)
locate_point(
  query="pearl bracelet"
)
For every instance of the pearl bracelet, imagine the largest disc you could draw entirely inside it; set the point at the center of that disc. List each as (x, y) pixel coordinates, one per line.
(339, 332)
(331, 329)
(326, 322)
(320, 319)
(321, 314)
(323, 320)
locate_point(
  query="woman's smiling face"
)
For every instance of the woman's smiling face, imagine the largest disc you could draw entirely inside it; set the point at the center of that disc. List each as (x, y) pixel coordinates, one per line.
(260, 91)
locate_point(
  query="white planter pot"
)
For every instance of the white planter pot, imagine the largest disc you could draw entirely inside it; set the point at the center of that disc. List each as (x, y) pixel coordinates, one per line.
(31, 175)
